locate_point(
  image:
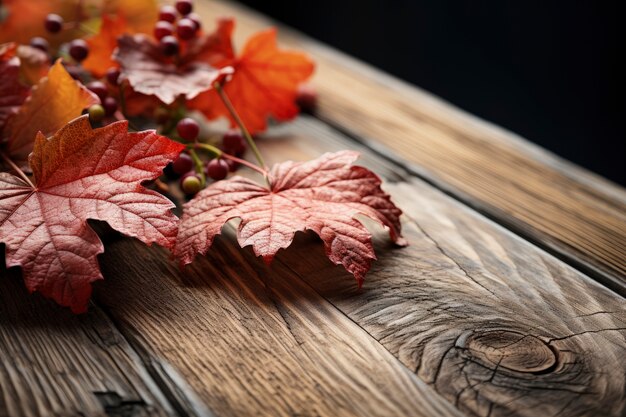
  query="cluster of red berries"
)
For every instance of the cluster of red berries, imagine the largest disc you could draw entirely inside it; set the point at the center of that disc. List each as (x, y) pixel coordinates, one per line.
(176, 23)
(216, 169)
(98, 112)
(78, 48)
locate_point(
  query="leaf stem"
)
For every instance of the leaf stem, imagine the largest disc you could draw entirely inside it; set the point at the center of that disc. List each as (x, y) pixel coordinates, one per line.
(17, 169)
(199, 166)
(231, 109)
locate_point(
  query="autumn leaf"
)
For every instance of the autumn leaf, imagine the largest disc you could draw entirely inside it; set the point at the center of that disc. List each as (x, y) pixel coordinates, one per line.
(149, 72)
(79, 174)
(323, 195)
(12, 92)
(264, 84)
(34, 64)
(24, 19)
(141, 15)
(54, 101)
(102, 45)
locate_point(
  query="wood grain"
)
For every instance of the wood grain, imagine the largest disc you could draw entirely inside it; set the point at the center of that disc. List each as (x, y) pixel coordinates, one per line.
(575, 214)
(55, 363)
(248, 340)
(493, 323)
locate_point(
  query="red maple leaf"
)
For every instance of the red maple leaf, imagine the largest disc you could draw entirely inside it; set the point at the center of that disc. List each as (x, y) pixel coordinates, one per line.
(12, 92)
(149, 72)
(323, 195)
(82, 173)
(264, 83)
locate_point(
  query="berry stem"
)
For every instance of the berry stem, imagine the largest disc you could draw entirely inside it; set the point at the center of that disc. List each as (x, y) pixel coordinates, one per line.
(221, 154)
(246, 134)
(199, 166)
(17, 169)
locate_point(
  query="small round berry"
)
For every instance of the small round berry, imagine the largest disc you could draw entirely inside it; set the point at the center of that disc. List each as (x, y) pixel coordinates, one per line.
(233, 142)
(169, 46)
(168, 13)
(195, 18)
(232, 165)
(96, 113)
(40, 43)
(191, 184)
(186, 29)
(217, 169)
(182, 164)
(163, 29)
(113, 75)
(53, 23)
(79, 50)
(306, 98)
(110, 106)
(188, 129)
(98, 88)
(184, 7)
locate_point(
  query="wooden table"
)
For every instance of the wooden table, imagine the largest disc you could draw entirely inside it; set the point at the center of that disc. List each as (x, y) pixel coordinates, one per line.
(509, 300)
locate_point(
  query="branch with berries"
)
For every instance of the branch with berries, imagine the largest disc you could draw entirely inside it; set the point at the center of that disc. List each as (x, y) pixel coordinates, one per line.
(98, 102)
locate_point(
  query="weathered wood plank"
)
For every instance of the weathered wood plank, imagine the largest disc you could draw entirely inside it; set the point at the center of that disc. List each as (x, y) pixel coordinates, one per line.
(248, 342)
(494, 324)
(576, 215)
(55, 363)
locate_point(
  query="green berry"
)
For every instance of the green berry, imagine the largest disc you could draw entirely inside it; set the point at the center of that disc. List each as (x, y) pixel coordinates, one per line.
(96, 113)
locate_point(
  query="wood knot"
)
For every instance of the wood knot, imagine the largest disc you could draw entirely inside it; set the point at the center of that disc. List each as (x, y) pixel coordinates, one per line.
(510, 350)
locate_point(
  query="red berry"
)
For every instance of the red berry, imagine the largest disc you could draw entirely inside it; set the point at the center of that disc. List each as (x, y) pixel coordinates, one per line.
(182, 164)
(195, 18)
(110, 106)
(188, 129)
(306, 98)
(113, 75)
(186, 29)
(98, 88)
(79, 49)
(232, 165)
(168, 14)
(217, 169)
(169, 46)
(184, 7)
(191, 184)
(53, 23)
(163, 29)
(233, 142)
(40, 43)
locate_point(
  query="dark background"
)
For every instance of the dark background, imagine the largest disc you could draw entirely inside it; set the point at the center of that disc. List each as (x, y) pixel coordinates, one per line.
(548, 71)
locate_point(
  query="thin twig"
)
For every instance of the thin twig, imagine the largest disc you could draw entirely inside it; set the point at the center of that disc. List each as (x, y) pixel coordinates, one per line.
(17, 169)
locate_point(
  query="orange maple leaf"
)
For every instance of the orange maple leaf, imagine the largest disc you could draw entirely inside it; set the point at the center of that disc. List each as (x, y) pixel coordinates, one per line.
(102, 45)
(54, 101)
(264, 84)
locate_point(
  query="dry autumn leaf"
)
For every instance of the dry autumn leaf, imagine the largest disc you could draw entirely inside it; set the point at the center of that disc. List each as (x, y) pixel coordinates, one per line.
(102, 45)
(264, 83)
(149, 72)
(80, 174)
(54, 101)
(323, 195)
(12, 92)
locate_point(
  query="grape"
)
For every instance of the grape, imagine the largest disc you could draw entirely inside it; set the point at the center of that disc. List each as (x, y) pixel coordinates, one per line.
(110, 106)
(184, 7)
(182, 164)
(195, 18)
(113, 75)
(186, 29)
(98, 88)
(53, 23)
(96, 113)
(169, 46)
(217, 169)
(163, 29)
(188, 129)
(233, 142)
(191, 184)
(79, 49)
(40, 43)
(168, 14)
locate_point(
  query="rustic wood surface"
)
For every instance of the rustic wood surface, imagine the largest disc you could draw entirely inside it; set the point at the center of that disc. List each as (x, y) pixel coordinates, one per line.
(470, 319)
(575, 214)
